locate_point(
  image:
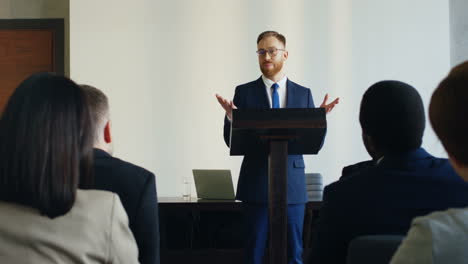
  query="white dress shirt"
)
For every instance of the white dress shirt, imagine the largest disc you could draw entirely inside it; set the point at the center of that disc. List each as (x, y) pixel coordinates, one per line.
(281, 89)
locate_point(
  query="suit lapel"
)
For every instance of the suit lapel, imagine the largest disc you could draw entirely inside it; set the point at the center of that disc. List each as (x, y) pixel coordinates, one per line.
(261, 93)
(290, 93)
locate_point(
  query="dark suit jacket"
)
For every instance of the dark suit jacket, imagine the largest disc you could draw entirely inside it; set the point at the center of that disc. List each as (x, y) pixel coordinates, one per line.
(136, 188)
(253, 179)
(383, 199)
(355, 168)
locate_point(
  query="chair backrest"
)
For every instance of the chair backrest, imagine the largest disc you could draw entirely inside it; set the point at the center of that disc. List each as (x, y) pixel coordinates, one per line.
(314, 185)
(373, 249)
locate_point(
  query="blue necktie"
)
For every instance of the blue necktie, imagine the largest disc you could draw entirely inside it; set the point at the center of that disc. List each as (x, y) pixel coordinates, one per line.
(275, 96)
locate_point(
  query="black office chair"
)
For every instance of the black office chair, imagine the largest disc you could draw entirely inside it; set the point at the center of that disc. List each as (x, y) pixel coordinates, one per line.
(314, 186)
(373, 249)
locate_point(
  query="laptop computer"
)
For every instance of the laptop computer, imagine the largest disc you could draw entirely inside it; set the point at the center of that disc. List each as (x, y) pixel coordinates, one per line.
(214, 184)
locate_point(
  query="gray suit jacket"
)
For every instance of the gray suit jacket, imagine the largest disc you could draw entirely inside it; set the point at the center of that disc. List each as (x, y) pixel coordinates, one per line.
(95, 230)
(440, 237)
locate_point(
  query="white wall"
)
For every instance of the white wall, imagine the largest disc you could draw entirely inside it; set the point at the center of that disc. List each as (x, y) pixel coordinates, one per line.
(161, 62)
(458, 31)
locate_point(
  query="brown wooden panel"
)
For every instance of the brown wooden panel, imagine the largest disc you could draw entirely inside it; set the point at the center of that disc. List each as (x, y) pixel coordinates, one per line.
(23, 52)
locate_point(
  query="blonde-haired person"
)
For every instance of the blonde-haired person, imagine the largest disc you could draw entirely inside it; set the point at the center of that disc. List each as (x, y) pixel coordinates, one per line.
(135, 185)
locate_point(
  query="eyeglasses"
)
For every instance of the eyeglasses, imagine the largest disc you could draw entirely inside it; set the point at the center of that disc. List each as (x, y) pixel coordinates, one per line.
(272, 52)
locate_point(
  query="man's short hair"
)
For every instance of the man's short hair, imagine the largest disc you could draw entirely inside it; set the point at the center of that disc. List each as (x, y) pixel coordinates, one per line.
(448, 112)
(98, 106)
(275, 34)
(392, 114)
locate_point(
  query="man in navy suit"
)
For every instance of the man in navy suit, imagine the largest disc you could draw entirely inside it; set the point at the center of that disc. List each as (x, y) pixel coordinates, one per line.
(135, 186)
(272, 90)
(402, 181)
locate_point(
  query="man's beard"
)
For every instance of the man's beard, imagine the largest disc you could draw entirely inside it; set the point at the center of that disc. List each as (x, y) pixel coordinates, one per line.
(269, 72)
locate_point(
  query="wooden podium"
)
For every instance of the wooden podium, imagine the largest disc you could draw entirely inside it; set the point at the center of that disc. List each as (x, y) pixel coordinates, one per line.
(278, 132)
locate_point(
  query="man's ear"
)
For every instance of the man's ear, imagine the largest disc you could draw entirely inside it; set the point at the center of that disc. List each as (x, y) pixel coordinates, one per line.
(369, 144)
(107, 133)
(285, 55)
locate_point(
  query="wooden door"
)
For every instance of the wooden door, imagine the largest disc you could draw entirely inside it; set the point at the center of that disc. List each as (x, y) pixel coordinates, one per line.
(26, 47)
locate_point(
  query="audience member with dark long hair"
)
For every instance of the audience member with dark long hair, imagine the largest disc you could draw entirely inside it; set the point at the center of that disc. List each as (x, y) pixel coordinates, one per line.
(45, 155)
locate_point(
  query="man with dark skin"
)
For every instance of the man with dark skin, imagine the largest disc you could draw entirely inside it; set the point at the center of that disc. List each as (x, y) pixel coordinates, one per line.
(403, 180)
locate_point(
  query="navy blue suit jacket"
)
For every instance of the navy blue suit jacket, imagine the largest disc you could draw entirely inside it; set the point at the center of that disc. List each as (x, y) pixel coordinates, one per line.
(136, 188)
(383, 199)
(253, 179)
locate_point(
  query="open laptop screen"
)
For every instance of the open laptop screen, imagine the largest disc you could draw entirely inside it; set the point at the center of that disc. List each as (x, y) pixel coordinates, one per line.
(214, 184)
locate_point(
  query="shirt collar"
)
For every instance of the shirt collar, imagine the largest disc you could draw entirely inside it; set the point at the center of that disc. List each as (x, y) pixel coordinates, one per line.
(268, 83)
(413, 155)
